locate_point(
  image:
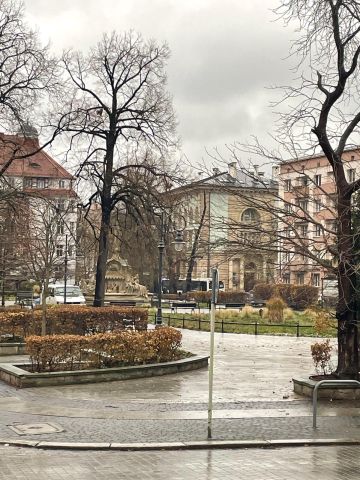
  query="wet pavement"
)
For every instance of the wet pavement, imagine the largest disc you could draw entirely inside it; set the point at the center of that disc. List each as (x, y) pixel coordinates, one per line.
(253, 400)
(317, 463)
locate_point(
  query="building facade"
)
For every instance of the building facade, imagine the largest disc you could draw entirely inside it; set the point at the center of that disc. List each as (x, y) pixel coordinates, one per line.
(38, 214)
(308, 199)
(225, 213)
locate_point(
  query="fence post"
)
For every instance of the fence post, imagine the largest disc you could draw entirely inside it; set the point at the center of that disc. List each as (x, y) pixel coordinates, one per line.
(169, 321)
(183, 321)
(256, 328)
(222, 325)
(199, 323)
(298, 329)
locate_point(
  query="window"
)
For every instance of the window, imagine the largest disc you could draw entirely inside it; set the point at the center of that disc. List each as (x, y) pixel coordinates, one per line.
(317, 180)
(300, 278)
(70, 250)
(317, 205)
(72, 227)
(303, 181)
(288, 208)
(287, 185)
(60, 205)
(60, 228)
(351, 174)
(316, 279)
(59, 250)
(61, 183)
(303, 204)
(250, 215)
(28, 182)
(287, 257)
(286, 278)
(318, 230)
(303, 230)
(287, 232)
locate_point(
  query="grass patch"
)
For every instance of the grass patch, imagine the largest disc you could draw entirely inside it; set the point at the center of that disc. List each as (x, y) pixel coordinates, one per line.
(248, 321)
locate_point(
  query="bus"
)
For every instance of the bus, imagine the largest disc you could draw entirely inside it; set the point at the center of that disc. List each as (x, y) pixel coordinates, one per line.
(199, 284)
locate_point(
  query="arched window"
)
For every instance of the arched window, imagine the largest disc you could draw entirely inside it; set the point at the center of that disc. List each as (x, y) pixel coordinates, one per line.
(250, 215)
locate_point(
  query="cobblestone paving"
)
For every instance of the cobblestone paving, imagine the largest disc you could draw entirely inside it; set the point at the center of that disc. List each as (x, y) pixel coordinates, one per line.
(313, 463)
(153, 431)
(252, 390)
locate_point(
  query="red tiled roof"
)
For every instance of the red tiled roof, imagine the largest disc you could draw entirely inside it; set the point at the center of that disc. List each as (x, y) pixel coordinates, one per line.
(40, 164)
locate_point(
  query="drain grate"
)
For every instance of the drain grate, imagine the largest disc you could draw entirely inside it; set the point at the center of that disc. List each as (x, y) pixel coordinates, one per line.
(36, 428)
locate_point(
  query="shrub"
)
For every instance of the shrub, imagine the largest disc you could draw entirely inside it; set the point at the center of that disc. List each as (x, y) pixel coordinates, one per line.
(263, 291)
(79, 320)
(276, 306)
(297, 296)
(71, 352)
(321, 354)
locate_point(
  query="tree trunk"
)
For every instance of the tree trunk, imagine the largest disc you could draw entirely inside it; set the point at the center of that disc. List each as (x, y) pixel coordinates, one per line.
(102, 258)
(348, 355)
(195, 248)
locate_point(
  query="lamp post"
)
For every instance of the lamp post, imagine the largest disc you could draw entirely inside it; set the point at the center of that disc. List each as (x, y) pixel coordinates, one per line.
(65, 267)
(178, 243)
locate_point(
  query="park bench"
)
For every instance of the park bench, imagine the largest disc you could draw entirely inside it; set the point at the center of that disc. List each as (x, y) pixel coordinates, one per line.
(258, 304)
(235, 305)
(175, 305)
(122, 303)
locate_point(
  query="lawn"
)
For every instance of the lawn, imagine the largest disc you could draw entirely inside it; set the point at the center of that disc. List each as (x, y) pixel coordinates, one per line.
(249, 321)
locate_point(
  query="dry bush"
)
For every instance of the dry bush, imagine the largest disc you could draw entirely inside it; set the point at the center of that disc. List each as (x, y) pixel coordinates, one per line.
(263, 291)
(71, 352)
(75, 320)
(275, 309)
(321, 354)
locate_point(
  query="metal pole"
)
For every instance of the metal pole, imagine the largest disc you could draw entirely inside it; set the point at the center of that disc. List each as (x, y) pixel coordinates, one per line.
(65, 267)
(212, 335)
(161, 247)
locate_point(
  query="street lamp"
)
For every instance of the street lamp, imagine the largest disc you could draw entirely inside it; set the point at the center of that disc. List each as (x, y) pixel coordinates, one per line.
(178, 244)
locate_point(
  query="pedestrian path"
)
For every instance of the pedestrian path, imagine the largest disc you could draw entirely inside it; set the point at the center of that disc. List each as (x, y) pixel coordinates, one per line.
(253, 402)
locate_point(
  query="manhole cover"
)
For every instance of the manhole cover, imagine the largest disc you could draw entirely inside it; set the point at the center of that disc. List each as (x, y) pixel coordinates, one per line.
(36, 428)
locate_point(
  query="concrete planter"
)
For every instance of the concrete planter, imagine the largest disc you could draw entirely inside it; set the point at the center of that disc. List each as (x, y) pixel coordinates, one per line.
(305, 387)
(20, 378)
(12, 348)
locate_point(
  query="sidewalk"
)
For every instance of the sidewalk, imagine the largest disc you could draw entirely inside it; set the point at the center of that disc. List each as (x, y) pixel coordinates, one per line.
(253, 402)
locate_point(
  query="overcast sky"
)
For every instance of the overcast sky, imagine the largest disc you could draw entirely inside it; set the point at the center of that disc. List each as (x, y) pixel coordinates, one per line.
(224, 55)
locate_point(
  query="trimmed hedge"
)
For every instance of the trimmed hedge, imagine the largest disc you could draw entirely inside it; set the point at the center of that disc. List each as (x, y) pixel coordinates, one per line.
(223, 297)
(296, 296)
(79, 320)
(73, 352)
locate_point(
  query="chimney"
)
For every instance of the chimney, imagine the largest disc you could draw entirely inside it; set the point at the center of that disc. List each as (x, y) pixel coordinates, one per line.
(275, 172)
(232, 169)
(256, 173)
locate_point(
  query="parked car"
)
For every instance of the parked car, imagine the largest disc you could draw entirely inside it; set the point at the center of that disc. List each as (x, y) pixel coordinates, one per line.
(74, 295)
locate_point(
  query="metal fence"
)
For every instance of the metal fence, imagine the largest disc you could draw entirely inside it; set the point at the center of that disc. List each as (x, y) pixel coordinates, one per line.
(222, 324)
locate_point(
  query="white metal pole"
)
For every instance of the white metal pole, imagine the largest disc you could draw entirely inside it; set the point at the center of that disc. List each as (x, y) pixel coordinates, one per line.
(212, 332)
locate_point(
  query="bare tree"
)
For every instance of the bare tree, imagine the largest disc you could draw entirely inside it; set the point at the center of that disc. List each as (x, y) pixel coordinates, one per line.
(27, 76)
(44, 226)
(196, 239)
(324, 117)
(118, 108)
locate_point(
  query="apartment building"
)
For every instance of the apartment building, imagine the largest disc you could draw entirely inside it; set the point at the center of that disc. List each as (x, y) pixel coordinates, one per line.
(307, 191)
(235, 226)
(39, 212)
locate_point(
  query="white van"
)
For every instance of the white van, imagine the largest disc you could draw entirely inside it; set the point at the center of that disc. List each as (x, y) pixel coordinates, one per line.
(74, 295)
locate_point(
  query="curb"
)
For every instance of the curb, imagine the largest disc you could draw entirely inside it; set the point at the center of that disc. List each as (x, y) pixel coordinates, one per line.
(196, 445)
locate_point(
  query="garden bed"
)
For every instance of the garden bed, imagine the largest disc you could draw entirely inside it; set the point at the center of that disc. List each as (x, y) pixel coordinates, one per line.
(305, 387)
(17, 376)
